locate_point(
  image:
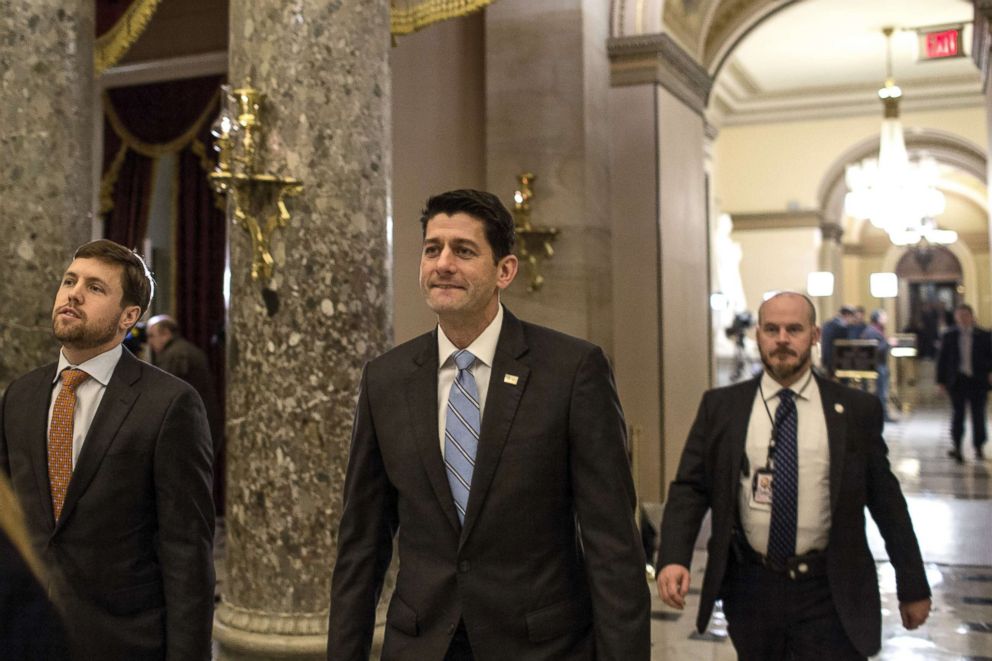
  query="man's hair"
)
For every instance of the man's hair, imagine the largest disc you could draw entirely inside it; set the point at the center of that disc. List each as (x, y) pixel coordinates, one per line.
(876, 314)
(809, 304)
(482, 206)
(165, 322)
(846, 310)
(136, 280)
(964, 306)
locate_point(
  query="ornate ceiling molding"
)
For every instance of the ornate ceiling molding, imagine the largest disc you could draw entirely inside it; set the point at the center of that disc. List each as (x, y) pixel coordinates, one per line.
(658, 59)
(779, 220)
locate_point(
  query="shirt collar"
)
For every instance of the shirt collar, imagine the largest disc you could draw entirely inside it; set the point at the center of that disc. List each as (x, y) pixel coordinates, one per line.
(100, 368)
(770, 388)
(482, 347)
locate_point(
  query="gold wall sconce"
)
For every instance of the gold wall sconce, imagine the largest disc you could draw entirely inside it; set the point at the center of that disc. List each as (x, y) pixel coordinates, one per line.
(258, 199)
(534, 240)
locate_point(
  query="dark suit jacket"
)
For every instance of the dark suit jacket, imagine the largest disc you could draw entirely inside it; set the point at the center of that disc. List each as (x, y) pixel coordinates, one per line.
(833, 329)
(949, 358)
(708, 478)
(549, 562)
(131, 555)
(183, 359)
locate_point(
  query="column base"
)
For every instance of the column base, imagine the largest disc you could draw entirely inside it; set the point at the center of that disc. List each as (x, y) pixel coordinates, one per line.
(248, 635)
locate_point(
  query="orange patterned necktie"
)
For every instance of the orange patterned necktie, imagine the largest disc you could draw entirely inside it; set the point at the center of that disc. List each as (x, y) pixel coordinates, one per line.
(60, 438)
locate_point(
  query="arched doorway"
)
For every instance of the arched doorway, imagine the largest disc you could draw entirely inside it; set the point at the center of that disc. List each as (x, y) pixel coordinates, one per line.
(930, 284)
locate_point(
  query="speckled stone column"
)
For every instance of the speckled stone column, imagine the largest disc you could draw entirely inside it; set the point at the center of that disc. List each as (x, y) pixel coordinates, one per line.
(46, 86)
(296, 352)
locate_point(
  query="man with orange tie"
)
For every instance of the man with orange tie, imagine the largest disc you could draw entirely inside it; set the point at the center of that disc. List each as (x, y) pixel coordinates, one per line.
(111, 461)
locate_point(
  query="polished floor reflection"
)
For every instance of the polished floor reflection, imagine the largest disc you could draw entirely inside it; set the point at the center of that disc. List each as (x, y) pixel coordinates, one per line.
(951, 506)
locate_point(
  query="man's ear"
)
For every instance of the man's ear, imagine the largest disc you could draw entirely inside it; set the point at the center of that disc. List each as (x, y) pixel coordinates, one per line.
(506, 271)
(129, 317)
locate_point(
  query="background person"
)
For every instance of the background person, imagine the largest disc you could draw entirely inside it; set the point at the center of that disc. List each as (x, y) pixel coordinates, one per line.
(834, 329)
(876, 331)
(788, 553)
(964, 372)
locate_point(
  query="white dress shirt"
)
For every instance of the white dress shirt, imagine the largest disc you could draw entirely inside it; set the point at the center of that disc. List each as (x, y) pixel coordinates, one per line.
(89, 393)
(484, 349)
(964, 349)
(813, 525)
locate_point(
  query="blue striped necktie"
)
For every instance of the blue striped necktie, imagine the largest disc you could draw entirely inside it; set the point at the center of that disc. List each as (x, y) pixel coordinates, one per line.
(785, 487)
(461, 432)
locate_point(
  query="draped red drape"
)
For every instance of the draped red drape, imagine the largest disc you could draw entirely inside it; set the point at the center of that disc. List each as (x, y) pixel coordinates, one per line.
(143, 122)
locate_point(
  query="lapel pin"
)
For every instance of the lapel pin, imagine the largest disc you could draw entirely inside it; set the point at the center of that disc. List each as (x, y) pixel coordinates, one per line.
(511, 379)
(839, 408)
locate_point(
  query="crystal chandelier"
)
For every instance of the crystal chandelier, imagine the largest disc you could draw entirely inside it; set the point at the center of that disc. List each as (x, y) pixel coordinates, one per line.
(896, 195)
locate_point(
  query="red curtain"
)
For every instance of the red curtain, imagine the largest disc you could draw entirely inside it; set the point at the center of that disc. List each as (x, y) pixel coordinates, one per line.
(142, 123)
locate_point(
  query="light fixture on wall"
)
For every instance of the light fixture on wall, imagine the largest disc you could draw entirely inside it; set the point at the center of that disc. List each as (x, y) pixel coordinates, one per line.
(534, 241)
(820, 283)
(895, 194)
(884, 285)
(258, 200)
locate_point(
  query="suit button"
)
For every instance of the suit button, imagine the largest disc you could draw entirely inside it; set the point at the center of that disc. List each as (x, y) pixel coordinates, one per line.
(464, 566)
(792, 574)
(803, 568)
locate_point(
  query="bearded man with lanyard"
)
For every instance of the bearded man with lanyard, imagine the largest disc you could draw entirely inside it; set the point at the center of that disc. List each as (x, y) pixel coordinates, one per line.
(787, 462)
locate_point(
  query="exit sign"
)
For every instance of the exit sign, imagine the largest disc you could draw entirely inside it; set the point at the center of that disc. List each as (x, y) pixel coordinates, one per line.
(940, 44)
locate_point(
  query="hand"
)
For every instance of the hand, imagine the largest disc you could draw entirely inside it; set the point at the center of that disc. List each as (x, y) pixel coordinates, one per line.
(914, 613)
(673, 584)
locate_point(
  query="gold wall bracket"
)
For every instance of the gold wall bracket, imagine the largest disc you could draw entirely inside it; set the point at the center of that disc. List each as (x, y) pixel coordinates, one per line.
(535, 241)
(258, 200)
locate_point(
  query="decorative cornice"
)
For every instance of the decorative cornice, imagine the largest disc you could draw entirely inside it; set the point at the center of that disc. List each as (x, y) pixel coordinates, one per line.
(774, 220)
(658, 59)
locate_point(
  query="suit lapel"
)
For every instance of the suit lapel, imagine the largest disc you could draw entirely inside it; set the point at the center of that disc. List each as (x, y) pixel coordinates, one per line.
(502, 401)
(114, 407)
(742, 405)
(36, 436)
(833, 413)
(421, 394)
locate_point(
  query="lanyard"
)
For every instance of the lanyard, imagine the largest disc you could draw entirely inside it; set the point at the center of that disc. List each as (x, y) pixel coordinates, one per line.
(770, 460)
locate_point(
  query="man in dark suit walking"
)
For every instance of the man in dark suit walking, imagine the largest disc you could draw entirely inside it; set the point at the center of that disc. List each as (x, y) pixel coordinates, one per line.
(111, 460)
(787, 463)
(964, 372)
(497, 449)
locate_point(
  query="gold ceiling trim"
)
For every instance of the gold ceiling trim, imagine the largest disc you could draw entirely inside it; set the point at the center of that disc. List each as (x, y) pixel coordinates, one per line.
(408, 16)
(111, 46)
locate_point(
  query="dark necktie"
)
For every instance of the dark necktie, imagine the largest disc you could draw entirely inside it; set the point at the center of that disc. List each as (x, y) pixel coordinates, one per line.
(785, 487)
(461, 432)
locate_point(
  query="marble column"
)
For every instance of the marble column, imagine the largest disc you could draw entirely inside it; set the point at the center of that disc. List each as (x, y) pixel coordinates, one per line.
(46, 87)
(660, 246)
(831, 259)
(547, 84)
(297, 349)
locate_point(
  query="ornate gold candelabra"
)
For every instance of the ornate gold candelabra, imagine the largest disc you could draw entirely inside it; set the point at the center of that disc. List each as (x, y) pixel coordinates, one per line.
(534, 240)
(258, 199)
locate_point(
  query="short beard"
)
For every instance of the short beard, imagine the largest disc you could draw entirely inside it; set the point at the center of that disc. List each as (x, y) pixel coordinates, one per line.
(82, 336)
(786, 372)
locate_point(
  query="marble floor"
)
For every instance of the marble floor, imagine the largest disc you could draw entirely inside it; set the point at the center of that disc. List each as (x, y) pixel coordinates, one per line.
(951, 507)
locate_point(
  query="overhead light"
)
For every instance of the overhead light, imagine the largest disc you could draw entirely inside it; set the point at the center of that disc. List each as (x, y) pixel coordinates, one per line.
(820, 283)
(894, 194)
(884, 285)
(719, 301)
